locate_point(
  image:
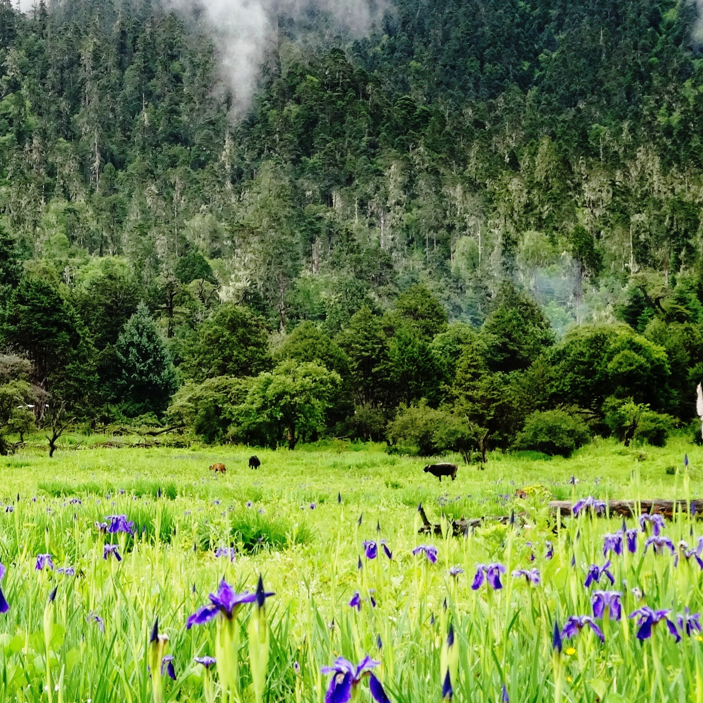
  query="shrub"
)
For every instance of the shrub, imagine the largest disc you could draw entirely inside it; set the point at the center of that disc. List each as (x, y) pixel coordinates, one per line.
(630, 421)
(553, 432)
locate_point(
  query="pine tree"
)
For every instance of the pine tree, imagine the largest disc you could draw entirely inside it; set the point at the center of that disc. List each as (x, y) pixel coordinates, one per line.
(145, 378)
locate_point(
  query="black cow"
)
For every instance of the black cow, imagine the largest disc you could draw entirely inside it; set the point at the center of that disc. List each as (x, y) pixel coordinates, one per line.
(440, 470)
(254, 462)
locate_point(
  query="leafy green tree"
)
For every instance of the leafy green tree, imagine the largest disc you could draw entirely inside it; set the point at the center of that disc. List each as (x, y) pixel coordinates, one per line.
(194, 266)
(10, 264)
(415, 427)
(145, 377)
(233, 342)
(366, 346)
(413, 369)
(45, 327)
(421, 311)
(209, 409)
(516, 332)
(16, 394)
(594, 362)
(553, 432)
(107, 300)
(630, 421)
(289, 403)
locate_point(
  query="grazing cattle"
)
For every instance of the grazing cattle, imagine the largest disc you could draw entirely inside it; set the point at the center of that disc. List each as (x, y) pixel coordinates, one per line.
(218, 468)
(254, 462)
(440, 470)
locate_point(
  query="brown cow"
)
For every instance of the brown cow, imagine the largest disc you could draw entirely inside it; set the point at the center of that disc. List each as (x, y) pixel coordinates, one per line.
(218, 468)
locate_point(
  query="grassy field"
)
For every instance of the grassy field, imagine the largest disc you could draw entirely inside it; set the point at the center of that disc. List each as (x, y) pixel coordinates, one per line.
(286, 523)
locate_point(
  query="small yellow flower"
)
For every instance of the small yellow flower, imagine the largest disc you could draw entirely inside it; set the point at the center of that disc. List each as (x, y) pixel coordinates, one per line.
(571, 651)
(568, 678)
(699, 638)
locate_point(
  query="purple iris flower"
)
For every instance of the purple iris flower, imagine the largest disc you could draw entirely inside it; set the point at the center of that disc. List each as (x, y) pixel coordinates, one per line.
(689, 622)
(576, 623)
(686, 553)
(648, 618)
(429, 551)
(4, 605)
(659, 543)
(447, 690)
(94, 617)
(606, 600)
(355, 601)
(590, 503)
(226, 601)
(504, 697)
(656, 522)
(556, 638)
(111, 549)
(386, 551)
(346, 676)
(370, 549)
(612, 543)
(455, 572)
(230, 552)
(167, 666)
(119, 523)
(532, 575)
(207, 662)
(631, 536)
(44, 561)
(595, 573)
(549, 554)
(101, 526)
(490, 573)
(67, 571)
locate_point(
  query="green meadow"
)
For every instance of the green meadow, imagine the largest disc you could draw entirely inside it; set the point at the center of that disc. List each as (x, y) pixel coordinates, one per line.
(300, 522)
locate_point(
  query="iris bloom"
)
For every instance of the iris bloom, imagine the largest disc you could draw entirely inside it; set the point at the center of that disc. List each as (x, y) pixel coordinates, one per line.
(659, 543)
(686, 553)
(355, 602)
(101, 526)
(119, 523)
(549, 554)
(648, 618)
(576, 623)
(490, 573)
(595, 573)
(689, 623)
(370, 549)
(455, 571)
(167, 666)
(44, 561)
(4, 605)
(226, 602)
(207, 662)
(111, 549)
(94, 617)
(346, 677)
(557, 643)
(612, 543)
(429, 551)
(230, 552)
(656, 522)
(606, 600)
(67, 571)
(590, 503)
(532, 575)
(631, 536)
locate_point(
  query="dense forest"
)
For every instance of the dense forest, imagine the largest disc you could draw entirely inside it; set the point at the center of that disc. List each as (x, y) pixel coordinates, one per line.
(477, 226)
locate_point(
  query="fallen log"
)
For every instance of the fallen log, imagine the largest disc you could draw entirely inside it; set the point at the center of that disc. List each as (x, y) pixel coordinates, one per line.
(633, 508)
(460, 528)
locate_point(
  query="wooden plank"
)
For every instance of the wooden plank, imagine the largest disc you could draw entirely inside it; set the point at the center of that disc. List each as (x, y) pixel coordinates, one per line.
(631, 508)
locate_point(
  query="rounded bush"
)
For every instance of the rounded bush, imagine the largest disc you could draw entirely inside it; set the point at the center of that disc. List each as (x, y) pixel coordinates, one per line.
(553, 432)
